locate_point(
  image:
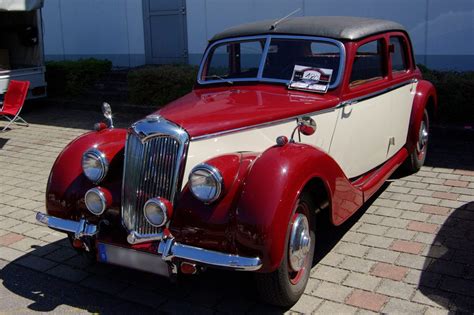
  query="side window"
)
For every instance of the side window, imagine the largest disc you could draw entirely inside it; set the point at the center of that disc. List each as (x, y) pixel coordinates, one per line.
(398, 54)
(368, 63)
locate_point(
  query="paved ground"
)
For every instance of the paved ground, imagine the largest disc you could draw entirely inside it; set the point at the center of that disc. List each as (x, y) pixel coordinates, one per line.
(410, 251)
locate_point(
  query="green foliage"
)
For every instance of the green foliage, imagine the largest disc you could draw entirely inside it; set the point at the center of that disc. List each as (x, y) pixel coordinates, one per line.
(71, 78)
(160, 85)
(455, 94)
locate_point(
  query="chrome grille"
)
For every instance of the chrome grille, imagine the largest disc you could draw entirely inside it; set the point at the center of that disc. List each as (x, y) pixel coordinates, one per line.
(151, 169)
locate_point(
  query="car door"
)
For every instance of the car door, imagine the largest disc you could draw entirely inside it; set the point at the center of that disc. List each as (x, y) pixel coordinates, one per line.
(361, 137)
(403, 92)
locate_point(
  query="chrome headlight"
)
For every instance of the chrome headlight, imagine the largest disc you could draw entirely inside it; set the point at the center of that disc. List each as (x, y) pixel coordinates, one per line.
(205, 182)
(96, 201)
(94, 165)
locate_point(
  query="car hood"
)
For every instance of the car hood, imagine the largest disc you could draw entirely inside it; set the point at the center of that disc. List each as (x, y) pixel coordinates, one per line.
(212, 110)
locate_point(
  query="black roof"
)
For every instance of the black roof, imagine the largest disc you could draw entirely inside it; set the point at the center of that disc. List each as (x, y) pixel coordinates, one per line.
(337, 27)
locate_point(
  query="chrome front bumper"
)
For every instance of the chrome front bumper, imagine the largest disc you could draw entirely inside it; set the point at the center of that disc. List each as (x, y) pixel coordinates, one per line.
(168, 248)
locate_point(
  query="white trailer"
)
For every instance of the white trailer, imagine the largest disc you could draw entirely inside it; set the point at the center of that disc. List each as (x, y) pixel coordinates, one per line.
(21, 45)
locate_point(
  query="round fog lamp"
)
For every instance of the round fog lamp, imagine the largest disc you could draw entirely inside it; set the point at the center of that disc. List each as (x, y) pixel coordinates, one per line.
(157, 211)
(96, 201)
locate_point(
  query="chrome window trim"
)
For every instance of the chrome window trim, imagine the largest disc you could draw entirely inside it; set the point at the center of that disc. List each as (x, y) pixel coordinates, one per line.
(268, 39)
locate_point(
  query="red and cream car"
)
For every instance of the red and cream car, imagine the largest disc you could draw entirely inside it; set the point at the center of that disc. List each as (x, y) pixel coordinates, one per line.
(288, 120)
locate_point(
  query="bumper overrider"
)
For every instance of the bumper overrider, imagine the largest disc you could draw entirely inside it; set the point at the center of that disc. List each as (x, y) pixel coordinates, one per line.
(168, 250)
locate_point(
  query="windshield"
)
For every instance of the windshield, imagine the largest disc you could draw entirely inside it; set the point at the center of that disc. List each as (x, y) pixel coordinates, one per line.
(270, 58)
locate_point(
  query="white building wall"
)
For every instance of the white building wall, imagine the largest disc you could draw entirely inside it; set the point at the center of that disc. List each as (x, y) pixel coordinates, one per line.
(104, 29)
(442, 31)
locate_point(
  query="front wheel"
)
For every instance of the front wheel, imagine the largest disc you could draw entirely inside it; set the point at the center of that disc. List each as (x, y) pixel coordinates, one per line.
(284, 286)
(417, 158)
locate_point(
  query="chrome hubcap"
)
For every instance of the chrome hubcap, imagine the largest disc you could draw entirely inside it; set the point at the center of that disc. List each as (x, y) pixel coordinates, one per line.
(300, 242)
(422, 137)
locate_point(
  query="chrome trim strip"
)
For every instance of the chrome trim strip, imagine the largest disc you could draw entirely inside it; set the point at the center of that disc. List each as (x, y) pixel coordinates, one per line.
(375, 94)
(170, 249)
(268, 39)
(78, 228)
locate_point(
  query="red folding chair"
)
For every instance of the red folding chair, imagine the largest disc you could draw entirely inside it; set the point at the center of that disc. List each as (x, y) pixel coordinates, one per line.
(13, 102)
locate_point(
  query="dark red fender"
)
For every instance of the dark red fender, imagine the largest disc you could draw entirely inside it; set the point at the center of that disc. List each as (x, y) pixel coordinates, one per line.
(271, 191)
(424, 91)
(67, 183)
(212, 226)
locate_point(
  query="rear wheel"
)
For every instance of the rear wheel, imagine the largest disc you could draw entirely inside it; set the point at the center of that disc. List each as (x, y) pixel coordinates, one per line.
(417, 158)
(284, 286)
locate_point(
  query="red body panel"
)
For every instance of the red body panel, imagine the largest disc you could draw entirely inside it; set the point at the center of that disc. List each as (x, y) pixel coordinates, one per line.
(211, 110)
(272, 189)
(424, 92)
(67, 183)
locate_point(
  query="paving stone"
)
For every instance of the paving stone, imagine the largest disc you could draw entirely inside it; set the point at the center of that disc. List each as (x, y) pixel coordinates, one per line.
(307, 304)
(353, 237)
(10, 238)
(395, 222)
(431, 297)
(67, 273)
(328, 307)
(423, 227)
(456, 183)
(389, 271)
(397, 233)
(435, 210)
(332, 259)
(397, 306)
(367, 300)
(330, 274)
(445, 195)
(377, 241)
(331, 291)
(413, 261)
(382, 255)
(421, 192)
(351, 249)
(362, 281)
(35, 262)
(415, 216)
(372, 229)
(396, 289)
(408, 206)
(422, 278)
(10, 254)
(357, 264)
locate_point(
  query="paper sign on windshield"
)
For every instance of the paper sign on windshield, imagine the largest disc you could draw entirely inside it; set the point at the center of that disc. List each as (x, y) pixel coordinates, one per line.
(310, 79)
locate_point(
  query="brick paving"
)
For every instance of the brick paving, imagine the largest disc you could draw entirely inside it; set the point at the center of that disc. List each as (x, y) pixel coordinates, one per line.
(410, 250)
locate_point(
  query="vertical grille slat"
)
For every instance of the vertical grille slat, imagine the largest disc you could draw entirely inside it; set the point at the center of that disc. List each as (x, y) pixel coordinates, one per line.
(150, 170)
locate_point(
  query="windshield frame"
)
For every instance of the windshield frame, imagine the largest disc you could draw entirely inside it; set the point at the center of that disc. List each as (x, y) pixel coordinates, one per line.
(268, 38)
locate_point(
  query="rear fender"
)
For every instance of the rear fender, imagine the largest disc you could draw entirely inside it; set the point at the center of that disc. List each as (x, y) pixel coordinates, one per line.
(425, 91)
(270, 194)
(67, 184)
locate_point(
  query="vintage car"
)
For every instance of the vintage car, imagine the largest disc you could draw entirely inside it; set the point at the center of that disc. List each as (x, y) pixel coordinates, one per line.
(289, 122)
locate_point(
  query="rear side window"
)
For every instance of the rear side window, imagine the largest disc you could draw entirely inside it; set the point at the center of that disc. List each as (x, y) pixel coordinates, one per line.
(398, 54)
(368, 63)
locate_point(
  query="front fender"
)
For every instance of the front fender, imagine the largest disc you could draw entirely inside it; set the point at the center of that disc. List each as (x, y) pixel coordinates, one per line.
(67, 184)
(271, 191)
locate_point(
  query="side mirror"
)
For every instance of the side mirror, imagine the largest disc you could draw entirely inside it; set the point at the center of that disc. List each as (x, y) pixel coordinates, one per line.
(307, 125)
(107, 111)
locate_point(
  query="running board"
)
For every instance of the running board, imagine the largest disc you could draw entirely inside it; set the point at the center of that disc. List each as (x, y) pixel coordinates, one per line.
(370, 183)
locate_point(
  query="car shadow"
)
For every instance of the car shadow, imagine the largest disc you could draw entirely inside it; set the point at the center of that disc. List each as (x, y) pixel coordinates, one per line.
(447, 277)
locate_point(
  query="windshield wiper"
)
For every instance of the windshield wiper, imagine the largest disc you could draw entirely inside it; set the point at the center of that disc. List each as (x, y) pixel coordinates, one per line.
(219, 77)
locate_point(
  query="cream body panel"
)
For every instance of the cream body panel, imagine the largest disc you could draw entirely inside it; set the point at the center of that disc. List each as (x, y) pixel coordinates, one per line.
(400, 113)
(360, 141)
(258, 140)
